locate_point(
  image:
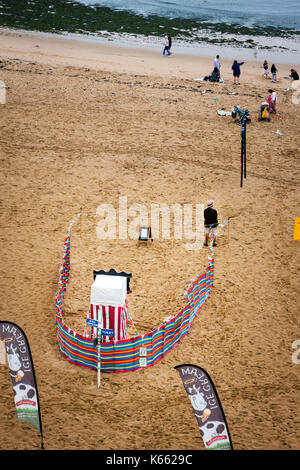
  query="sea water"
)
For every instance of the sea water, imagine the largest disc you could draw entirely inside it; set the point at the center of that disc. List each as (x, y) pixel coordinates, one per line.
(240, 29)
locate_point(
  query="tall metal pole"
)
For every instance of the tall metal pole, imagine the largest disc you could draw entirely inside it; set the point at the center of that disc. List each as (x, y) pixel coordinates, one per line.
(100, 325)
(242, 161)
(242, 157)
(245, 148)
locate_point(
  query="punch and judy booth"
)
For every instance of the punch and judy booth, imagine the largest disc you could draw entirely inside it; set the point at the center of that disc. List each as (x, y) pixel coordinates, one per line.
(108, 303)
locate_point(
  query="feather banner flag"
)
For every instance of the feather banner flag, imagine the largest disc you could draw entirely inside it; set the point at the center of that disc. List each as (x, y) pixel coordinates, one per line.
(207, 407)
(22, 374)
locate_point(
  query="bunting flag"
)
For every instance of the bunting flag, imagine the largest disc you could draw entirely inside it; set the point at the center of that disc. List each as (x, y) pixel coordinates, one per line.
(22, 374)
(207, 407)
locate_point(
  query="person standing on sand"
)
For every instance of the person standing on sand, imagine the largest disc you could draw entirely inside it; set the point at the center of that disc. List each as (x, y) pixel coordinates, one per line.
(168, 44)
(236, 72)
(265, 69)
(217, 64)
(274, 73)
(272, 100)
(210, 222)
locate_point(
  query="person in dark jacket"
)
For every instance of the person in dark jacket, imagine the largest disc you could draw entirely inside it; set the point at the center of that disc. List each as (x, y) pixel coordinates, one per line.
(236, 71)
(274, 73)
(294, 75)
(210, 222)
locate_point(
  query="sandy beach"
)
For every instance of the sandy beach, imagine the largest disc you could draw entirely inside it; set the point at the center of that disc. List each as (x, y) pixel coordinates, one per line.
(85, 123)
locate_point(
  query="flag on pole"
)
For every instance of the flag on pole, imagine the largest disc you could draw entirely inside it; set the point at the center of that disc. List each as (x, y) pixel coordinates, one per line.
(207, 407)
(22, 374)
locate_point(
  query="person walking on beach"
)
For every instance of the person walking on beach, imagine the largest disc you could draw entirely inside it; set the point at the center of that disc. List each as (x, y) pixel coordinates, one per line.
(272, 100)
(210, 222)
(168, 44)
(236, 72)
(274, 73)
(265, 69)
(217, 64)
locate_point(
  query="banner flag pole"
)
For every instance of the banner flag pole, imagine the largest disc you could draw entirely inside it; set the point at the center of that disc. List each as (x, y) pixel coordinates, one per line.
(22, 375)
(207, 407)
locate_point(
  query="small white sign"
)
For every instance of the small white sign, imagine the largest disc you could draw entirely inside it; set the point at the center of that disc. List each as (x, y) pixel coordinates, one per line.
(143, 352)
(143, 362)
(144, 233)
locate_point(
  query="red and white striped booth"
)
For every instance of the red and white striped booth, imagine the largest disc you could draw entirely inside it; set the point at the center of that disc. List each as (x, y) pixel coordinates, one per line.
(109, 305)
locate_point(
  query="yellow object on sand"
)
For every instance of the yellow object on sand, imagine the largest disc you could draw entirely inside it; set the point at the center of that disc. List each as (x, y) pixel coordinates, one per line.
(297, 229)
(265, 114)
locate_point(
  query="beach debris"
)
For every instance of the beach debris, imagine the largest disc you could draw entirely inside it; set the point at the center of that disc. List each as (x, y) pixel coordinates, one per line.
(221, 112)
(132, 83)
(199, 79)
(37, 45)
(231, 93)
(278, 133)
(215, 98)
(203, 92)
(286, 90)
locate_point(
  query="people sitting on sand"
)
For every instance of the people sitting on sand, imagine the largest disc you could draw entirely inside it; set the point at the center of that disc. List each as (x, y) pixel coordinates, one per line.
(210, 222)
(214, 77)
(294, 75)
(272, 100)
(236, 72)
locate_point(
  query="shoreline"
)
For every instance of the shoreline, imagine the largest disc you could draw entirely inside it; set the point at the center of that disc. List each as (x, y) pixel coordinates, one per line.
(97, 54)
